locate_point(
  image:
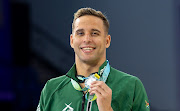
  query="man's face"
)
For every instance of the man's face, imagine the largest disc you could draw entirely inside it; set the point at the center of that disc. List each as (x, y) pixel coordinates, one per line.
(89, 39)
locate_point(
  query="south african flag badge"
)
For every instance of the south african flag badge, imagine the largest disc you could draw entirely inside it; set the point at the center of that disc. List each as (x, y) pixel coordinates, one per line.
(147, 104)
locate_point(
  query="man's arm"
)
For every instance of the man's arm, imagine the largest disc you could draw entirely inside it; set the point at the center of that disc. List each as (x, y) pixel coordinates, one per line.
(41, 101)
(140, 102)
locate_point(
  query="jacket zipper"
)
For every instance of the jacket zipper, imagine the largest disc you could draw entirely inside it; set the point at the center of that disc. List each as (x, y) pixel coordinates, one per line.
(89, 105)
(83, 101)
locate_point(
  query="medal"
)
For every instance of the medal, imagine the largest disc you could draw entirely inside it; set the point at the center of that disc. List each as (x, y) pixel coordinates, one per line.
(92, 77)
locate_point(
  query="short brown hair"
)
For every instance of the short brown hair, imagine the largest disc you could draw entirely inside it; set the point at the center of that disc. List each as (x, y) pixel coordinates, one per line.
(93, 12)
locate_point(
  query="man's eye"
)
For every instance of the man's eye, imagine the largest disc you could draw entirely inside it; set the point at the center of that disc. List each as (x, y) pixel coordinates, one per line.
(80, 33)
(95, 33)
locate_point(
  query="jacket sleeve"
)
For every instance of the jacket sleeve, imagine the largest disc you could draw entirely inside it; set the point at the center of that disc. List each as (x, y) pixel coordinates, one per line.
(140, 100)
(41, 104)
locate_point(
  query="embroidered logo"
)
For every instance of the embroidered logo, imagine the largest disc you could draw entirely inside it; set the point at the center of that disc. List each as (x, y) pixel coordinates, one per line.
(68, 108)
(147, 104)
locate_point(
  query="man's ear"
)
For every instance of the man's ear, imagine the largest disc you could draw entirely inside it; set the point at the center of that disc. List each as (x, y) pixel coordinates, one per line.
(108, 41)
(71, 41)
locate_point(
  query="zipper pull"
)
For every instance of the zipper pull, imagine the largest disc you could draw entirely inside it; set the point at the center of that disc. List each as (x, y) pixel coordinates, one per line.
(89, 105)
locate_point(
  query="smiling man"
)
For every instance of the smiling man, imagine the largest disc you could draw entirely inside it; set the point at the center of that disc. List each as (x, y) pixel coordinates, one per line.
(92, 84)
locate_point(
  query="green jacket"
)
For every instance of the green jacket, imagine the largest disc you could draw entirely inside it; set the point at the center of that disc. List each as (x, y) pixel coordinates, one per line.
(128, 93)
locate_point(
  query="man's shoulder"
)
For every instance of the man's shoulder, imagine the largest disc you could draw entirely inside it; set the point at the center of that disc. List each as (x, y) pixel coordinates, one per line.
(57, 80)
(121, 74)
(55, 83)
(118, 77)
(52, 86)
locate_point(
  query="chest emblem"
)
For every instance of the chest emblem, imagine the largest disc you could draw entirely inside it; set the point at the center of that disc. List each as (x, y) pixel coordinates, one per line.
(68, 107)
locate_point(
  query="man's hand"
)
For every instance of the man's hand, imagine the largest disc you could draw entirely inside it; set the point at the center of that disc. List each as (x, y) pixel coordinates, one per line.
(104, 95)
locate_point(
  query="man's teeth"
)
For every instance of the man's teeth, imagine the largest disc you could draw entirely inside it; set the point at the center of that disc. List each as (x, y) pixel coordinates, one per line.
(87, 48)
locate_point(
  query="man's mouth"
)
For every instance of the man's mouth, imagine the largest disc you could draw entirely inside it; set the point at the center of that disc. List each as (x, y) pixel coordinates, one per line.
(88, 49)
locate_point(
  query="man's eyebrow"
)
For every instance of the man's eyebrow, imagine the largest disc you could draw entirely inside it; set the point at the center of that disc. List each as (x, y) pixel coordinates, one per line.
(79, 30)
(96, 30)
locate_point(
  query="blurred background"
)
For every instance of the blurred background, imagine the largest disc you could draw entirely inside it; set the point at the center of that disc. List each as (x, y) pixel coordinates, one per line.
(34, 47)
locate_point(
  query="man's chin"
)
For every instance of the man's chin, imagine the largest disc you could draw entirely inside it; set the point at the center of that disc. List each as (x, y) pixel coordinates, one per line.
(89, 60)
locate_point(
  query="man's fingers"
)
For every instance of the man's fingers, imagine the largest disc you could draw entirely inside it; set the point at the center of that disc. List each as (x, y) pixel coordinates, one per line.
(97, 89)
(101, 85)
(101, 88)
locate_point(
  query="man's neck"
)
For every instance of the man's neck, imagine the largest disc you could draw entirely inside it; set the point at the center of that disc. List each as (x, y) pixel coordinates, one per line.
(86, 69)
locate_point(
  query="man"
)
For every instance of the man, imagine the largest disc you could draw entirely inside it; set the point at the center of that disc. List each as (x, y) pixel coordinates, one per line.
(113, 90)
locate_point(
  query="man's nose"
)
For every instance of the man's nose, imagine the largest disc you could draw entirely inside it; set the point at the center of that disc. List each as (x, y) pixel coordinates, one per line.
(87, 38)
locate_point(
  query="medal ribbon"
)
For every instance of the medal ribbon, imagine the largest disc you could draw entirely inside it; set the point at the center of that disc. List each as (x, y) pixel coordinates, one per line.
(104, 73)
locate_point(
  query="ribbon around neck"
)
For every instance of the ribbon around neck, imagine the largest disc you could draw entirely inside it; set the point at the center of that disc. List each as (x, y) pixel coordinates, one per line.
(104, 73)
